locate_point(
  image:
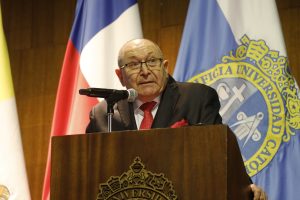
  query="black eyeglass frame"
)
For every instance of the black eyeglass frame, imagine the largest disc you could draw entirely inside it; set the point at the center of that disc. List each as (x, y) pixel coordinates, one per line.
(141, 64)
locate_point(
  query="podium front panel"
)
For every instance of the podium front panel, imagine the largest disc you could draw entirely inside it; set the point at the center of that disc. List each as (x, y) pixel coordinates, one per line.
(201, 162)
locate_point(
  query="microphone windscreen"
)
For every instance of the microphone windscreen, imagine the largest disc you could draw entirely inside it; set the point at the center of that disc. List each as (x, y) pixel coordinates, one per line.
(132, 95)
(84, 91)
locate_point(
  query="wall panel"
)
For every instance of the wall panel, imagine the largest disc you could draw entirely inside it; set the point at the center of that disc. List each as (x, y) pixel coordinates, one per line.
(150, 17)
(169, 42)
(290, 20)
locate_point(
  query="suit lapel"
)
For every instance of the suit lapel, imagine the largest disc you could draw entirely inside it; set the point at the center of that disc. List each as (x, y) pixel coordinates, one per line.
(126, 114)
(167, 105)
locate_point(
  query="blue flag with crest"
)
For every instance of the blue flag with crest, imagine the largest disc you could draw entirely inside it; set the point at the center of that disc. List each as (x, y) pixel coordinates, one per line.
(237, 47)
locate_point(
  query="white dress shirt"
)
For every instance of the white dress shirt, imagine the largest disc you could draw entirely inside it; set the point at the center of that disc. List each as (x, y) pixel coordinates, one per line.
(139, 114)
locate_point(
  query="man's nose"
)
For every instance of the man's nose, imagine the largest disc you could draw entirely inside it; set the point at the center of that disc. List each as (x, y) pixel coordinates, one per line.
(144, 68)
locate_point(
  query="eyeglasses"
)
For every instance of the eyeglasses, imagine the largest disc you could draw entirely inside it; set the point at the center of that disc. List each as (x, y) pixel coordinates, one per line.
(136, 66)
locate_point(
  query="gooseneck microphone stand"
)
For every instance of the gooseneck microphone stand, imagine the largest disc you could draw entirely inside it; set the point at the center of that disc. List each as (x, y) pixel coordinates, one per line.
(110, 97)
(111, 100)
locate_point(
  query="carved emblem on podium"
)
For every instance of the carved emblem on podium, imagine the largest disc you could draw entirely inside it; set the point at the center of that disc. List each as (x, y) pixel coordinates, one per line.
(4, 192)
(137, 184)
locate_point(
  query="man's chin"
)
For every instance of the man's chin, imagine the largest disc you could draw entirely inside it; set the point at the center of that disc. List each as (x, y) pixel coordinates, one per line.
(147, 89)
(147, 96)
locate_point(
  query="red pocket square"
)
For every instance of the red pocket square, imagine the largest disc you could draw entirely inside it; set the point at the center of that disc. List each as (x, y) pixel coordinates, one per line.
(180, 123)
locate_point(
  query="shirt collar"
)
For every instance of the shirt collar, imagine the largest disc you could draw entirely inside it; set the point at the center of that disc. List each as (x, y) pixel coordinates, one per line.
(137, 103)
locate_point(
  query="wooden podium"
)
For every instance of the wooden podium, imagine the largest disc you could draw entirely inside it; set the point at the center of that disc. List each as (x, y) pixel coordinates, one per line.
(196, 162)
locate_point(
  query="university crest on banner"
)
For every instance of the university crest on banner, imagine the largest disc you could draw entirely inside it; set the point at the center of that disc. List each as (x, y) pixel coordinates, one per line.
(258, 98)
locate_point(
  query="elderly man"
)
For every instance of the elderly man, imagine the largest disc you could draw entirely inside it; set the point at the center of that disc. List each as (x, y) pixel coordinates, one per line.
(143, 68)
(161, 102)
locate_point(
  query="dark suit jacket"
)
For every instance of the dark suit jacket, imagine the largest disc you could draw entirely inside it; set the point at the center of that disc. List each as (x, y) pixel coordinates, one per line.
(194, 102)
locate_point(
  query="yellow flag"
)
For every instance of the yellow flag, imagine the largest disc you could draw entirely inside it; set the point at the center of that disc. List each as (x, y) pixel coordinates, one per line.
(6, 88)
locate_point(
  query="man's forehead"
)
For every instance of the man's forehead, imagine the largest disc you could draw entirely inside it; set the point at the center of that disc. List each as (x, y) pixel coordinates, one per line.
(140, 50)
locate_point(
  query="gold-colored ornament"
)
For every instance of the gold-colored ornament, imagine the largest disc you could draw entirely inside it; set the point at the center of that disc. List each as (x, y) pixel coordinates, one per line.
(137, 183)
(4, 192)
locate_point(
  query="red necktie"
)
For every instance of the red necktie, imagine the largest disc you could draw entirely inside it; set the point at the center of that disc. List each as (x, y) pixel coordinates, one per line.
(148, 118)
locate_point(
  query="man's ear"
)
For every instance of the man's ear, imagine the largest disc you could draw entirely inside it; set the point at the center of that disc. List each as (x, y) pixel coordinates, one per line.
(166, 64)
(120, 75)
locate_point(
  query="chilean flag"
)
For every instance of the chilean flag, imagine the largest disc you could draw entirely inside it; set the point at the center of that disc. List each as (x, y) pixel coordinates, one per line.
(99, 30)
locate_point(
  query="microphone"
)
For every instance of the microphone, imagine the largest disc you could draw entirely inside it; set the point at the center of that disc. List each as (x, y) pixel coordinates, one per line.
(130, 94)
